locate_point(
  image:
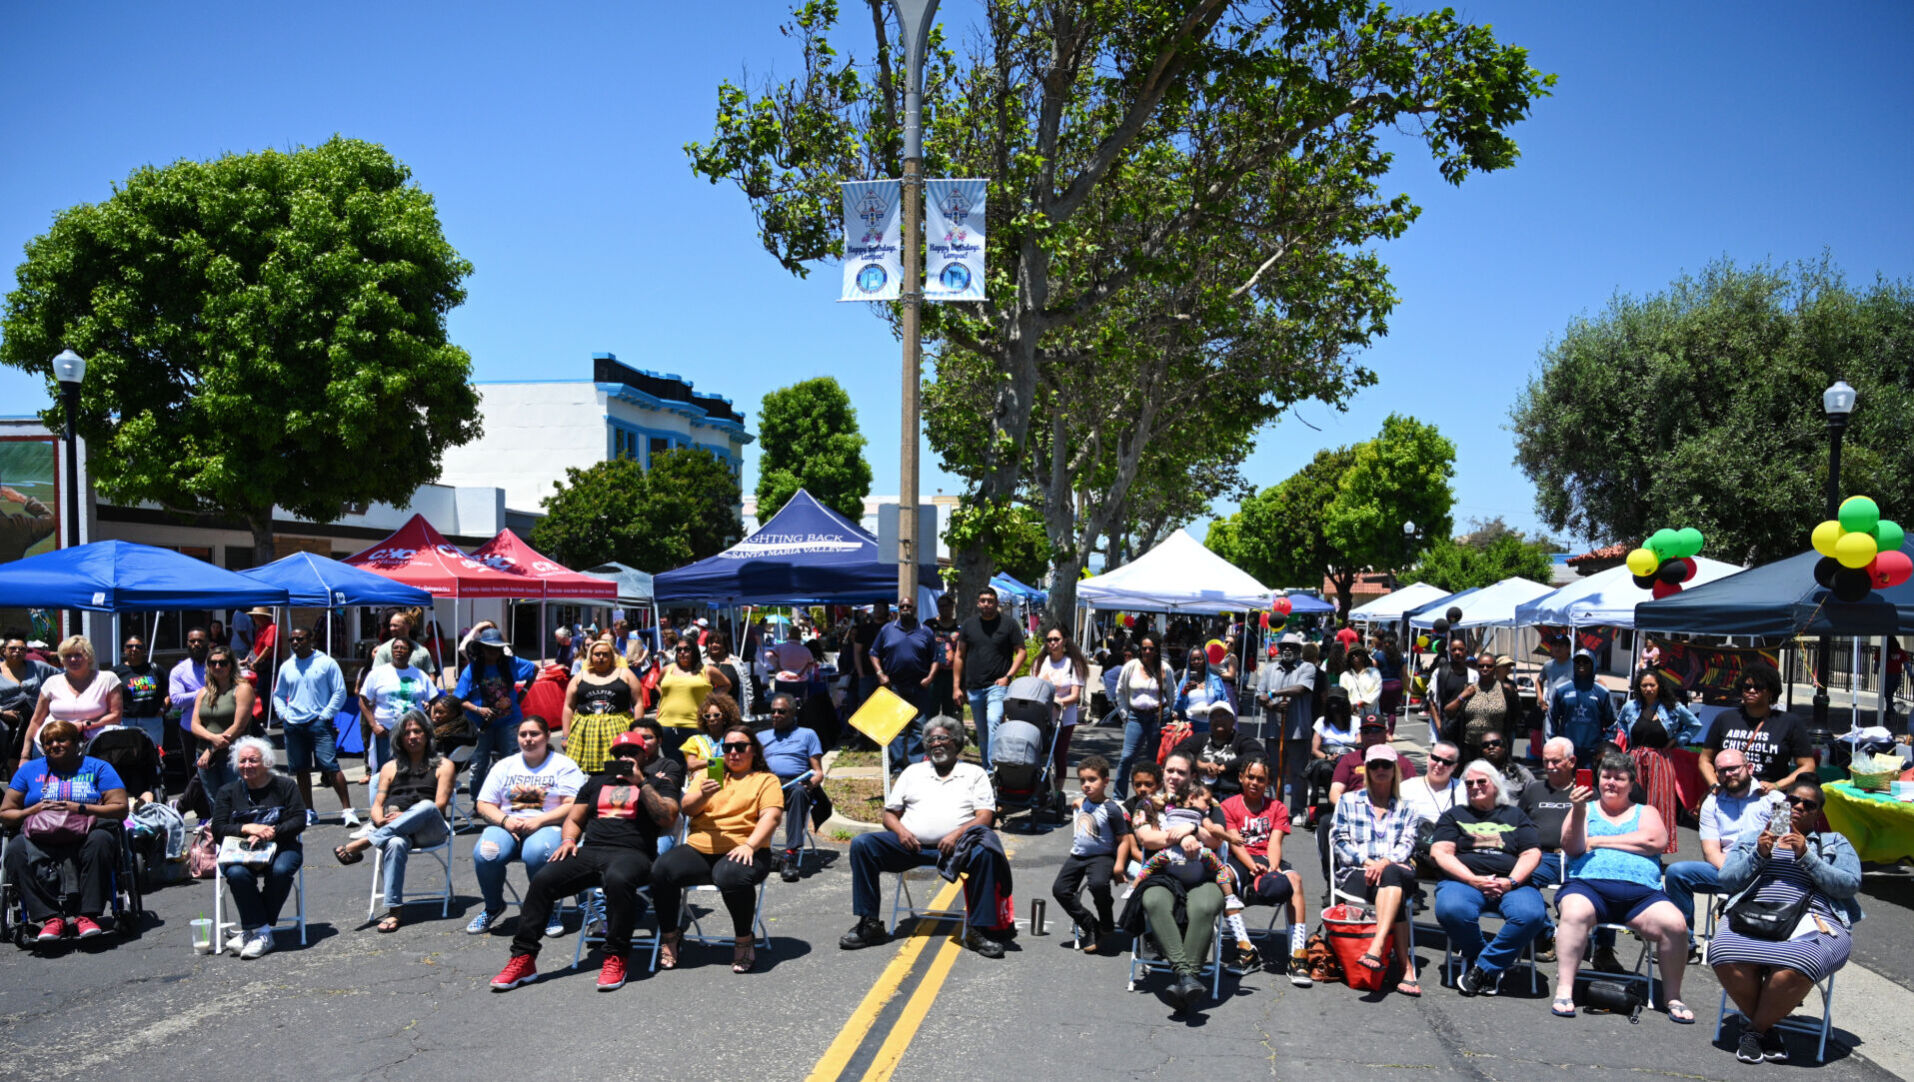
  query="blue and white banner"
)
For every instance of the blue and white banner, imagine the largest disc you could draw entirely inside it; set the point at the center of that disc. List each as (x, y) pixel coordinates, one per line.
(954, 240)
(873, 240)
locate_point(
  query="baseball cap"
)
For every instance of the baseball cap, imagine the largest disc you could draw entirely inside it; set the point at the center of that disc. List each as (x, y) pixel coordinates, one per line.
(1380, 753)
(635, 738)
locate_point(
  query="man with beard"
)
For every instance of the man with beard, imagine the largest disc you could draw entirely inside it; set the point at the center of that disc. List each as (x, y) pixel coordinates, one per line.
(940, 812)
(1219, 753)
(1287, 691)
(1495, 748)
(1735, 807)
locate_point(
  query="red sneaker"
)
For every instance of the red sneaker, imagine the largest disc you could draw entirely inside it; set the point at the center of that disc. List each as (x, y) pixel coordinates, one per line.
(52, 930)
(612, 976)
(522, 969)
(86, 927)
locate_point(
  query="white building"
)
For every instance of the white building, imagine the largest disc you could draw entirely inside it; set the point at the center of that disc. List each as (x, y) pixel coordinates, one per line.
(537, 429)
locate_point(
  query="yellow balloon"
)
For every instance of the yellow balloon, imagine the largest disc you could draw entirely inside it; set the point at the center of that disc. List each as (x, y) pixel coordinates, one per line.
(1855, 550)
(1825, 535)
(1643, 561)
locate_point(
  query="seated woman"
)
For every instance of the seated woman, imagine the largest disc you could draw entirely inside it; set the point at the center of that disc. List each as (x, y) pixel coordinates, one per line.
(1488, 850)
(727, 843)
(1614, 877)
(1255, 825)
(1374, 838)
(1767, 978)
(263, 807)
(69, 785)
(523, 801)
(599, 704)
(716, 716)
(1154, 903)
(415, 795)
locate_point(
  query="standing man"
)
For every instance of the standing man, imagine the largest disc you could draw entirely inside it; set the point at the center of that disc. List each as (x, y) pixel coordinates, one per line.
(1286, 690)
(1734, 808)
(1451, 675)
(187, 677)
(1584, 712)
(989, 649)
(903, 657)
(310, 692)
(145, 703)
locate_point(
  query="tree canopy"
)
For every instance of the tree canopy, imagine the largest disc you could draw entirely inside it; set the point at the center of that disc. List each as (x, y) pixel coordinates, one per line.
(1183, 204)
(1701, 406)
(808, 438)
(1486, 555)
(682, 510)
(260, 329)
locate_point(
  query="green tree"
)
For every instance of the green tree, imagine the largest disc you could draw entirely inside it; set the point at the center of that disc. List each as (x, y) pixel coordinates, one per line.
(1485, 556)
(261, 330)
(808, 439)
(1195, 186)
(682, 510)
(1701, 406)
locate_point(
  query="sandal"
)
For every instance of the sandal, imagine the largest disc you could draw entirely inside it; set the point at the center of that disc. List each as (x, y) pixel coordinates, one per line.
(1680, 1013)
(1370, 962)
(743, 957)
(389, 924)
(348, 856)
(1410, 987)
(668, 951)
(1563, 1007)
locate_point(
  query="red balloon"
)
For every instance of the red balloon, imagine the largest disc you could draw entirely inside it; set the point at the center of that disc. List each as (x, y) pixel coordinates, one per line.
(1265, 619)
(1693, 567)
(1282, 605)
(1664, 589)
(1890, 568)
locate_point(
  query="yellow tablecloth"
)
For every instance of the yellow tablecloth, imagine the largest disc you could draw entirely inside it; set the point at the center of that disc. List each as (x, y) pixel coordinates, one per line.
(1881, 828)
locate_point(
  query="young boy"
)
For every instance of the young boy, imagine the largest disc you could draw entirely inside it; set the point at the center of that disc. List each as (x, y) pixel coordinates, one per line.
(1146, 780)
(1101, 826)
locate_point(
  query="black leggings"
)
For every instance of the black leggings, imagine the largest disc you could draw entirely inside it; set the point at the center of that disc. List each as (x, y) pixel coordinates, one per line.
(683, 866)
(1078, 872)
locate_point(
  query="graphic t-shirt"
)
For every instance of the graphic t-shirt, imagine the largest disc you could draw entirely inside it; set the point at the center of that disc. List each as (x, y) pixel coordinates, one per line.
(1256, 827)
(525, 790)
(1097, 828)
(1547, 807)
(618, 818)
(143, 696)
(395, 691)
(86, 783)
(1487, 843)
(1062, 675)
(1771, 745)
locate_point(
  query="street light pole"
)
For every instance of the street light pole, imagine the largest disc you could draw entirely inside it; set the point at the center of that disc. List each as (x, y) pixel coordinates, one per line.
(1838, 403)
(70, 369)
(914, 19)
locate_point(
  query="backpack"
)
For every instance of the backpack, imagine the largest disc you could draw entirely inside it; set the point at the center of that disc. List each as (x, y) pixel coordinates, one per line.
(161, 821)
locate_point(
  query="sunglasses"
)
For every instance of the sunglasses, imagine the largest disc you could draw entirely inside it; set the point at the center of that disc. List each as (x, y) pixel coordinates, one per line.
(720, 717)
(1380, 764)
(1803, 802)
(1054, 642)
(226, 664)
(739, 748)
(777, 714)
(1491, 743)
(1479, 783)
(1441, 760)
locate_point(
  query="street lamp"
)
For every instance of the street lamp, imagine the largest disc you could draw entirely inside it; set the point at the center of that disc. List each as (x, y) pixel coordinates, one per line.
(70, 368)
(1838, 403)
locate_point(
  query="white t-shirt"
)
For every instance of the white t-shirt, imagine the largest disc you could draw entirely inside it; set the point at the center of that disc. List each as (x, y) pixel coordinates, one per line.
(394, 691)
(522, 790)
(1426, 802)
(1062, 675)
(931, 807)
(1145, 694)
(1331, 735)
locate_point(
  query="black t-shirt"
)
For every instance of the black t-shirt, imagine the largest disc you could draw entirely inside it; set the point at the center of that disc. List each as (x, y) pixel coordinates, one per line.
(1771, 745)
(1449, 683)
(1487, 843)
(144, 690)
(864, 636)
(989, 650)
(1548, 809)
(618, 819)
(1230, 755)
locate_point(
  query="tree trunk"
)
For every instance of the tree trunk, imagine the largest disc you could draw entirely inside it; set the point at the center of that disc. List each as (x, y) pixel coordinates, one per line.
(261, 524)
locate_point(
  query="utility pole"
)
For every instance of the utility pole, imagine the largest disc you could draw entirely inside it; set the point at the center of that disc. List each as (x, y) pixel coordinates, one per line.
(914, 18)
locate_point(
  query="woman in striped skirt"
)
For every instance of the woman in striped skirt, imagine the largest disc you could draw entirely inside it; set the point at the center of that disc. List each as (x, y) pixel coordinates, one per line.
(1769, 978)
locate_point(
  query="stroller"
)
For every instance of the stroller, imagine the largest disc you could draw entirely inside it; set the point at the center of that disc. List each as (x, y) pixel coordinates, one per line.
(1022, 750)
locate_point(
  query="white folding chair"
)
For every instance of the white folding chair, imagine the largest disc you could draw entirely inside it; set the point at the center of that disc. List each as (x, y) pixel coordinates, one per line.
(221, 926)
(442, 853)
(695, 933)
(1812, 1027)
(903, 903)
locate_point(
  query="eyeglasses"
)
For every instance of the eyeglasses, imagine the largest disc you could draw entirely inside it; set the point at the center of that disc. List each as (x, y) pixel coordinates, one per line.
(1437, 759)
(738, 748)
(1726, 767)
(1479, 783)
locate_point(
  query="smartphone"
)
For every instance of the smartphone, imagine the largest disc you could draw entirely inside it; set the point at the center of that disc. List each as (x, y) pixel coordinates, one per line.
(714, 770)
(1781, 823)
(1585, 778)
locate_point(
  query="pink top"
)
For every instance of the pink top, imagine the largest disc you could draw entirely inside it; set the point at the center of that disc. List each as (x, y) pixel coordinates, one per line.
(84, 708)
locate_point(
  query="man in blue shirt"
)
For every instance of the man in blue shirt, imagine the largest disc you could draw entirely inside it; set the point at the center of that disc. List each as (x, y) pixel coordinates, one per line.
(904, 656)
(1583, 711)
(310, 692)
(1735, 807)
(796, 756)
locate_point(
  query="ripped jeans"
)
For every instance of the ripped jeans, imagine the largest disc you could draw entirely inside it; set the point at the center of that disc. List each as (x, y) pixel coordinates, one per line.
(495, 851)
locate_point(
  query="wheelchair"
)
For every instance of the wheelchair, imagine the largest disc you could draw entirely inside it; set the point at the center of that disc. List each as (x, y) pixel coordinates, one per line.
(125, 906)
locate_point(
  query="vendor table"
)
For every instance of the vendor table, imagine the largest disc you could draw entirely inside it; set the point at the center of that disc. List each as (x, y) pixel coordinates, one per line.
(1881, 828)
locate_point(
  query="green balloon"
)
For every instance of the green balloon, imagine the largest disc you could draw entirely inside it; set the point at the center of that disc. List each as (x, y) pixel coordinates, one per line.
(1889, 535)
(1691, 540)
(1859, 514)
(1663, 543)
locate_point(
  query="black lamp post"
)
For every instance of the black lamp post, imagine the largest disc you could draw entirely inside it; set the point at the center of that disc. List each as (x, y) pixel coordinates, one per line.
(1838, 403)
(70, 369)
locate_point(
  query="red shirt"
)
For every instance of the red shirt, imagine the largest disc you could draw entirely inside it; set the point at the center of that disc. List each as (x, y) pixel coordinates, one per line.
(1255, 829)
(1348, 637)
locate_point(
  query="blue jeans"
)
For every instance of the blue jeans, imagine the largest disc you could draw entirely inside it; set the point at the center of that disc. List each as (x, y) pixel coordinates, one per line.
(987, 710)
(217, 776)
(494, 852)
(154, 727)
(495, 742)
(1683, 879)
(908, 747)
(260, 908)
(419, 827)
(1459, 908)
(1139, 739)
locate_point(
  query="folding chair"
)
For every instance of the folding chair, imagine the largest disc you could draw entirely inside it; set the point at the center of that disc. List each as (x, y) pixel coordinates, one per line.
(591, 927)
(1812, 1027)
(1643, 972)
(1452, 959)
(695, 933)
(442, 853)
(901, 902)
(1212, 971)
(221, 926)
(1411, 901)
(807, 841)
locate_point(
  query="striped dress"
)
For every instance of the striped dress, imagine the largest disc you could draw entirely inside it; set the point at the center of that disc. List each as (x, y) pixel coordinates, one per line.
(1815, 955)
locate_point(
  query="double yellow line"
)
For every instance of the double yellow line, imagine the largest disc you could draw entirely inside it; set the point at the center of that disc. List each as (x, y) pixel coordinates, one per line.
(837, 1058)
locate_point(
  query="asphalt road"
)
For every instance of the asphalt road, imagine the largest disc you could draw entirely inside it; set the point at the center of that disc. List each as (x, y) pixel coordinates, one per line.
(414, 1004)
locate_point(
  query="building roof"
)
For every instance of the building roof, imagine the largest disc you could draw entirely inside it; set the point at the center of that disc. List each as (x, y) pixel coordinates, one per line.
(607, 368)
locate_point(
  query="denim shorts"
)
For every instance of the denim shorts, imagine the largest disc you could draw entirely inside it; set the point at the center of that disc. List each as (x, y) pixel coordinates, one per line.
(313, 741)
(1616, 901)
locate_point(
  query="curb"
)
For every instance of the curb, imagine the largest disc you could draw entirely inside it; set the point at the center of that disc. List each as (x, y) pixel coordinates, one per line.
(838, 821)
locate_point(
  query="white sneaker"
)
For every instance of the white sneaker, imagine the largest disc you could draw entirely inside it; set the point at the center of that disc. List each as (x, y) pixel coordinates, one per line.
(312, 818)
(237, 943)
(349, 818)
(259, 944)
(1232, 905)
(555, 927)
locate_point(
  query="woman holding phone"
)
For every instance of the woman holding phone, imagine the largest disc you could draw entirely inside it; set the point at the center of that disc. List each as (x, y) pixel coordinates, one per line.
(732, 813)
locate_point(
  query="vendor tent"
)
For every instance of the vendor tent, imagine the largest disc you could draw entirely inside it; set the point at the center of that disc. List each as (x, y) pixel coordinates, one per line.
(1780, 599)
(121, 576)
(1440, 607)
(807, 554)
(1490, 606)
(1301, 604)
(1396, 604)
(315, 582)
(1179, 575)
(1007, 584)
(1607, 598)
(633, 586)
(510, 553)
(418, 555)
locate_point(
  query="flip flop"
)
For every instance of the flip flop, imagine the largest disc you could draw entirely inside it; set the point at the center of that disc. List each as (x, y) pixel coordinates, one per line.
(1370, 962)
(388, 925)
(1410, 987)
(1563, 1008)
(344, 856)
(1680, 1013)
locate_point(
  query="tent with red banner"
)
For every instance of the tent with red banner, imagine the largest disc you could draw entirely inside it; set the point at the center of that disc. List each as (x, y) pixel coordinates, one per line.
(511, 554)
(418, 555)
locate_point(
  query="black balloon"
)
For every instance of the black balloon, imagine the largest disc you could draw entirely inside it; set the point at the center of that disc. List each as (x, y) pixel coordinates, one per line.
(1825, 569)
(1646, 582)
(1441, 626)
(1672, 572)
(1851, 584)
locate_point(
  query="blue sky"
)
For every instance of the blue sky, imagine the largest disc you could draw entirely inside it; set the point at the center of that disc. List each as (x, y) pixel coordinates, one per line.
(552, 136)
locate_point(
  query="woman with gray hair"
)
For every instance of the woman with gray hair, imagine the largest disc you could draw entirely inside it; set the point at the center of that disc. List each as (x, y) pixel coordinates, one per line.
(263, 808)
(1488, 852)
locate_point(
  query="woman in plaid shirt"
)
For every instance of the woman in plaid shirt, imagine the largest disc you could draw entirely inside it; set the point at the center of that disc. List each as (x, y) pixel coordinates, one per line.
(1374, 835)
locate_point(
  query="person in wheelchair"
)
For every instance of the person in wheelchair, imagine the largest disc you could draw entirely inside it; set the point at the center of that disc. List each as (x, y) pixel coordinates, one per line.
(64, 808)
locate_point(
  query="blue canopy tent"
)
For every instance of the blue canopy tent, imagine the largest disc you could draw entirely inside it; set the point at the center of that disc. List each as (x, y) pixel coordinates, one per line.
(315, 582)
(807, 554)
(1010, 585)
(1301, 604)
(120, 576)
(1780, 599)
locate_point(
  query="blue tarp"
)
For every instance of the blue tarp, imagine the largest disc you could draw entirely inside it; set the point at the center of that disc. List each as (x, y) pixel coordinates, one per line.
(1009, 585)
(1308, 605)
(315, 582)
(806, 554)
(120, 576)
(1780, 599)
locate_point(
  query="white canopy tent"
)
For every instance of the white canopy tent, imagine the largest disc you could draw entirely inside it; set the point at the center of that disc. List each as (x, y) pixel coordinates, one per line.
(1607, 598)
(1179, 575)
(1396, 604)
(1491, 606)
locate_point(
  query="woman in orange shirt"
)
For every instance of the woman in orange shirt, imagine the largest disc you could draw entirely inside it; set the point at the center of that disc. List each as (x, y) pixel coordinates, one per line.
(727, 844)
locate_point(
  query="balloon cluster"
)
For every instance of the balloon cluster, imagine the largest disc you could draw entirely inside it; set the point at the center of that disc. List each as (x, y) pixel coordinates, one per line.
(1666, 560)
(1278, 614)
(1860, 551)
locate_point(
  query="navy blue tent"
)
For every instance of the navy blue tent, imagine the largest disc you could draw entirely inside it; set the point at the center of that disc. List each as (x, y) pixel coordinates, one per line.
(1301, 604)
(807, 554)
(120, 576)
(1779, 599)
(315, 582)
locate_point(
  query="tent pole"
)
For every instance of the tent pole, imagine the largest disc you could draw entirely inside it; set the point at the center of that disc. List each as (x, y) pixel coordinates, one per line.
(1854, 687)
(1880, 688)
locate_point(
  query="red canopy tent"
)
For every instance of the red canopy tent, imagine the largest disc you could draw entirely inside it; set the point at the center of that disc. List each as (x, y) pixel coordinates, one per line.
(511, 554)
(418, 555)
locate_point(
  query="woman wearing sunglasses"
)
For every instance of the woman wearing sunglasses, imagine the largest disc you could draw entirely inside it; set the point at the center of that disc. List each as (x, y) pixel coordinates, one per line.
(1795, 861)
(727, 843)
(718, 714)
(682, 689)
(222, 714)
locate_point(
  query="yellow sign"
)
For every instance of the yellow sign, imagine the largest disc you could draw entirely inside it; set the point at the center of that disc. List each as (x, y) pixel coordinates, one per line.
(883, 716)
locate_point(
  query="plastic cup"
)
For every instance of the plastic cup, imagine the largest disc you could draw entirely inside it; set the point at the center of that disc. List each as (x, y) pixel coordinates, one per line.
(202, 935)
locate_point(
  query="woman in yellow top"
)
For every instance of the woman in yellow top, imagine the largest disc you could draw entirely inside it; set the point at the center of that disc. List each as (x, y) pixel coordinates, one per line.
(718, 714)
(681, 692)
(727, 844)
(599, 705)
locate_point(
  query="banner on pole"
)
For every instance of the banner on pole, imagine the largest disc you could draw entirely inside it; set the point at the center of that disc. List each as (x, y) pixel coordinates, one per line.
(873, 240)
(954, 240)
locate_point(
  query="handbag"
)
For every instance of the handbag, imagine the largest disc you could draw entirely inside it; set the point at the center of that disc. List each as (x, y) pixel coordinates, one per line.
(202, 857)
(1615, 998)
(58, 826)
(1771, 920)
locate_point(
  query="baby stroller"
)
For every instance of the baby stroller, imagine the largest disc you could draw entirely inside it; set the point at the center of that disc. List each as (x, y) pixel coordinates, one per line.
(1023, 747)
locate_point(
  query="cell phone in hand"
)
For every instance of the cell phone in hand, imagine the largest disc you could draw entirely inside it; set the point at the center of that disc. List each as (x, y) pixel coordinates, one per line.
(1585, 778)
(714, 770)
